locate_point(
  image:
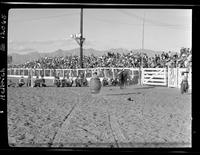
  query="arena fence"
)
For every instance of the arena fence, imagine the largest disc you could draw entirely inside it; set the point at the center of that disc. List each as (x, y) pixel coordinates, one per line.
(170, 77)
(50, 73)
(154, 76)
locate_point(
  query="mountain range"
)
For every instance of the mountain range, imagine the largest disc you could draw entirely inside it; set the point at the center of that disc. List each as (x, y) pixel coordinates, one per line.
(22, 58)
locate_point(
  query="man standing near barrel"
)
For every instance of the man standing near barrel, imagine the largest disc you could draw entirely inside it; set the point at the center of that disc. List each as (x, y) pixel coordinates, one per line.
(123, 75)
(121, 79)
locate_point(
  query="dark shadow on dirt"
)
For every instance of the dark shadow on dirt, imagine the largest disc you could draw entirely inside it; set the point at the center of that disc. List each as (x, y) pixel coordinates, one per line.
(124, 94)
(148, 87)
(187, 94)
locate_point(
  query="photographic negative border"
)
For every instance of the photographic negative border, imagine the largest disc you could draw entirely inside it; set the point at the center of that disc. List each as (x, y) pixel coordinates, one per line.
(5, 6)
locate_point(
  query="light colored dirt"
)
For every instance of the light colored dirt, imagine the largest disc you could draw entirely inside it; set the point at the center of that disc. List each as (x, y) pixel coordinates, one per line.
(73, 117)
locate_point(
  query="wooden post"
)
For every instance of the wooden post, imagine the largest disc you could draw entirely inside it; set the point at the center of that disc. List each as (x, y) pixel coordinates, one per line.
(105, 73)
(32, 78)
(113, 73)
(81, 39)
(23, 72)
(44, 73)
(141, 76)
(168, 77)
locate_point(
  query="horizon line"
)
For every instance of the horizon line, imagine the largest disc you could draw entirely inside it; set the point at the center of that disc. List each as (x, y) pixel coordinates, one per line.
(106, 50)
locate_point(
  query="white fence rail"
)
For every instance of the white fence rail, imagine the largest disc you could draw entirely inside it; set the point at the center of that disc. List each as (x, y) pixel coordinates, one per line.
(170, 77)
(50, 73)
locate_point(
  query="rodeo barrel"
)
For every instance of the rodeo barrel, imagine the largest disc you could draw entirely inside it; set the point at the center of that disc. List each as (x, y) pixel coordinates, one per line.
(95, 84)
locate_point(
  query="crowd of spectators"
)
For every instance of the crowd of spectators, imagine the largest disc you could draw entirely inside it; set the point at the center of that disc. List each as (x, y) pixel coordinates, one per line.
(131, 59)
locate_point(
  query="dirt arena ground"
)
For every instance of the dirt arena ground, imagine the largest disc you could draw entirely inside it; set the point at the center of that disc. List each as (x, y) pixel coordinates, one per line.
(138, 116)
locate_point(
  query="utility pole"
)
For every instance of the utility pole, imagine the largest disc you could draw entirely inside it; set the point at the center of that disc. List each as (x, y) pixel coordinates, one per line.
(143, 37)
(81, 38)
(141, 65)
(143, 32)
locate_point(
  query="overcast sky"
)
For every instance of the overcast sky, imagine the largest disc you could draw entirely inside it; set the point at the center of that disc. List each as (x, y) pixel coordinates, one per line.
(47, 30)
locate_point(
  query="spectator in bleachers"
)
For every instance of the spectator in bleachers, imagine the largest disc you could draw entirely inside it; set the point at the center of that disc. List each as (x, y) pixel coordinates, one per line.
(69, 81)
(37, 82)
(57, 81)
(105, 81)
(63, 82)
(114, 81)
(42, 80)
(112, 60)
(85, 81)
(78, 81)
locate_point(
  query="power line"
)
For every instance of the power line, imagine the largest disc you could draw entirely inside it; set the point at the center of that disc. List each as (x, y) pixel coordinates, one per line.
(43, 18)
(154, 22)
(114, 21)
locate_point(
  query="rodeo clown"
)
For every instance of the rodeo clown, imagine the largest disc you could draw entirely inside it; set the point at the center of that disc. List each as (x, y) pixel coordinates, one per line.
(184, 82)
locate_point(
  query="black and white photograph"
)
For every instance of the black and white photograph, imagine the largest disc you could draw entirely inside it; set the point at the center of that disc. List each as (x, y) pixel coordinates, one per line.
(99, 77)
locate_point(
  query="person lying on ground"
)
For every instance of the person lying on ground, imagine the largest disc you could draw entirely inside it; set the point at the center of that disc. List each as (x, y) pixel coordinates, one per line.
(11, 84)
(21, 81)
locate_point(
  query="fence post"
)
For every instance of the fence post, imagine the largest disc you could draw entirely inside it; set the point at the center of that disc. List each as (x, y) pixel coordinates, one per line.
(113, 73)
(44, 73)
(177, 77)
(190, 75)
(104, 71)
(141, 72)
(168, 76)
(23, 72)
(31, 77)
